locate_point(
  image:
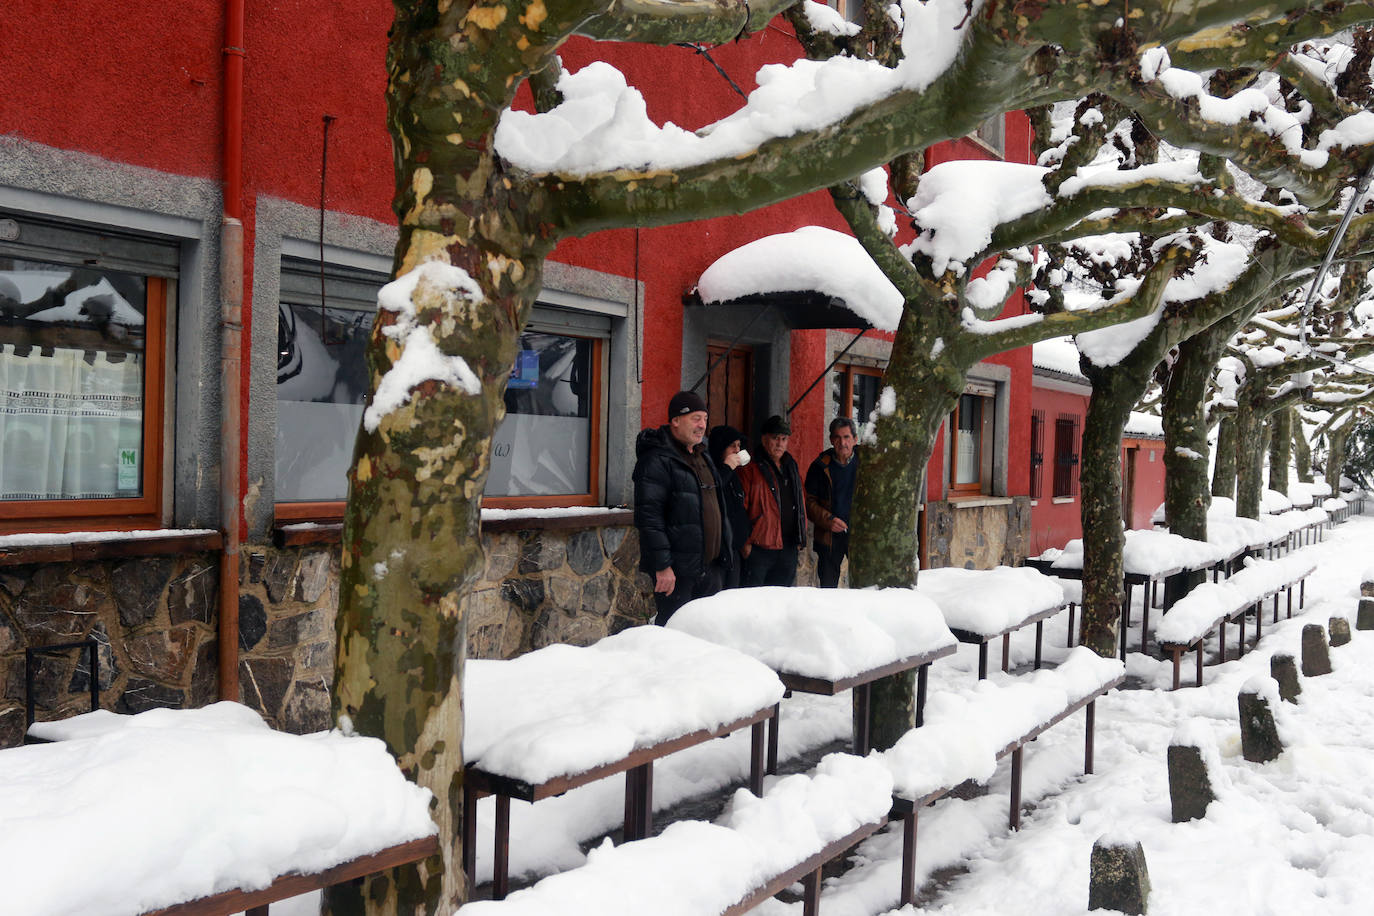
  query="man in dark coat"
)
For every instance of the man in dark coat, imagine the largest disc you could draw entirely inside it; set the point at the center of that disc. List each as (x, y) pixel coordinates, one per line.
(684, 532)
(776, 504)
(829, 495)
(726, 445)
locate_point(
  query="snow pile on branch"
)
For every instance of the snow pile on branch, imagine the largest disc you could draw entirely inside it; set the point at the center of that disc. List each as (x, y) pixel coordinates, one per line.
(811, 258)
(989, 601)
(694, 868)
(205, 800)
(565, 709)
(420, 360)
(603, 124)
(818, 632)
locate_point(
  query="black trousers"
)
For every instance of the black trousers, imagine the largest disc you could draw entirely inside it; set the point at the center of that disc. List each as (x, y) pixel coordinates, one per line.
(828, 559)
(770, 567)
(711, 580)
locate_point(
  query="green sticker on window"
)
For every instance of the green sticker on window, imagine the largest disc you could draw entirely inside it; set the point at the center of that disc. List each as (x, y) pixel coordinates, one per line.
(128, 469)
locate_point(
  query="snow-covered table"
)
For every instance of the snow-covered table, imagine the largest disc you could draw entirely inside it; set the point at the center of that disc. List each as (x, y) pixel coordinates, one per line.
(1149, 558)
(980, 605)
(218, 814)
(564, 716)
(826, 640)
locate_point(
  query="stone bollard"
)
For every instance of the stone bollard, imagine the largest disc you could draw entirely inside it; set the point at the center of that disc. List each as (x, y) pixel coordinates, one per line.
(1339, 628)
(1316, 657)
(1367, 588)
(1364, 617)
(1259, 735)
(1118, 879)
(1284, 669)
(1190, 777)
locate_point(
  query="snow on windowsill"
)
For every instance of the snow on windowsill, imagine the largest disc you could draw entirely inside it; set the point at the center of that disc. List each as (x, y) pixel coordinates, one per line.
(978, 502)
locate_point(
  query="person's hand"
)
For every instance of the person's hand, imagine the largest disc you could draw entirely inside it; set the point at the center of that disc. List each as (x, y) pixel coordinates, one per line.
(746, 550)
(732, 461)
(838, 525)
(665, 581)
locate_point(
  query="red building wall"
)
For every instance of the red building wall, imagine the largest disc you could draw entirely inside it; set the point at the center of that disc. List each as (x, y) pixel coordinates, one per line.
(117, 86)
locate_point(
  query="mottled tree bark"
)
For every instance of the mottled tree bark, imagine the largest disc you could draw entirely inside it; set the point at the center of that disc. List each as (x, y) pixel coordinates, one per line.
(1302, 452)
(1335, 457)
(1224, 471)
(1280, 449)
(1186, 494)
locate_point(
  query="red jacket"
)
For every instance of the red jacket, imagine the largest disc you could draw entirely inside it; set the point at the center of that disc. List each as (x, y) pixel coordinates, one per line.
(764, 504)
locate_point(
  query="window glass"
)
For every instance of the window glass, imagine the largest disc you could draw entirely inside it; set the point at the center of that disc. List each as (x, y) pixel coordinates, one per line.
(321, 384)
(854, 393)
(544, 445)
(72, 365)
(968, 438)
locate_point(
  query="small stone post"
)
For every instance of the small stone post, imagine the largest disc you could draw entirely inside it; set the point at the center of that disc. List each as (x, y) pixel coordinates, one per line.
(1364, 617)
(1367, 588)
(1340, 631)
(1118, 879)
(1284, 669)
(1259, 735)
(1190, 780)
(1316, 656)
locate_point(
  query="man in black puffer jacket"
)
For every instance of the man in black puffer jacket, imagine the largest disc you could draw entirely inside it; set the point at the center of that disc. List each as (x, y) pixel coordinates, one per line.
(684, 532)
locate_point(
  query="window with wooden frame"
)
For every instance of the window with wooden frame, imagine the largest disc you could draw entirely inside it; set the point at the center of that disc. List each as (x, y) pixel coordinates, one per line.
(324, 321)
(1066, 433)
(1037, 454)
(971, 427)
(546, 451)
(854, 393)
(83, 336)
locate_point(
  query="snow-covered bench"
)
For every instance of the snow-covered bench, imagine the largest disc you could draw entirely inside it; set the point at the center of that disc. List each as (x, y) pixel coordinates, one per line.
(968, 732)
(1212, 605)
(825, 640)
(980, 605)
(564, 716)
(759, 847)
(216, 813)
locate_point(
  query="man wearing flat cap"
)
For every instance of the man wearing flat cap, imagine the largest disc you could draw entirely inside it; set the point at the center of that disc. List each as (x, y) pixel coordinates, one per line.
(776, 504)
(684, 532)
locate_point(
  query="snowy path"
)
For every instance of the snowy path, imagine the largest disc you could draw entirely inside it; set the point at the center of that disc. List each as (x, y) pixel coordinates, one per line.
(1289, 836)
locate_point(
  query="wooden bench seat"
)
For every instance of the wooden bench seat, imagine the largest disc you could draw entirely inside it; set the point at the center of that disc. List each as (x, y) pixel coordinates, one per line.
(1211, 606)
(256, 903)
(1047, 696)
(717, 866)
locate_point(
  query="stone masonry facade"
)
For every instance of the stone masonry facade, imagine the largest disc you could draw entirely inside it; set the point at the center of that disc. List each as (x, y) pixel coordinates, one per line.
(154, 619)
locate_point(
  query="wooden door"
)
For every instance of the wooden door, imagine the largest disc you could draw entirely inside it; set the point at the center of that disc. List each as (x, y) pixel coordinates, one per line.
(730, 387)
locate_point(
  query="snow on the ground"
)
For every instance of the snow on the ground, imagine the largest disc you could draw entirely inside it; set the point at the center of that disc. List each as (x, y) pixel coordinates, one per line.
(566, 709)
(199, 801)
(818, 632)
(1289, 836)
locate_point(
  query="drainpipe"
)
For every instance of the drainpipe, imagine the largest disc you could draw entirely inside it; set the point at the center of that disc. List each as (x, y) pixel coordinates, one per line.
(231, 347)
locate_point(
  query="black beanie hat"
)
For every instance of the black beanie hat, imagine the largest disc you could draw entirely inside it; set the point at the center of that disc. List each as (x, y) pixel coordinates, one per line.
(719, 439)
(685, 402)
(776, 425)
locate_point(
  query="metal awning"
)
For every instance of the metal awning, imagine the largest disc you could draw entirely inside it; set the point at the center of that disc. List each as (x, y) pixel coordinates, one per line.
(798, 311)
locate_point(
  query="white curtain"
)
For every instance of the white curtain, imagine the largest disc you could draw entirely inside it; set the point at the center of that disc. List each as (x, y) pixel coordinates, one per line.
(71, 424)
